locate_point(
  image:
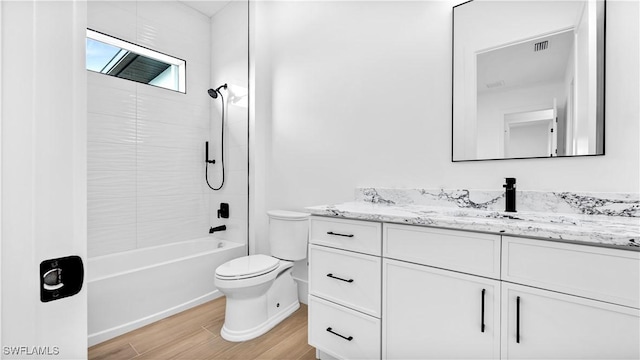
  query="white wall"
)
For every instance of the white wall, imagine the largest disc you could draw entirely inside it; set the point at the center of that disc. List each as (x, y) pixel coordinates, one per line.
(493, 105)
(146, 144)
(359, 94)
(229, 56)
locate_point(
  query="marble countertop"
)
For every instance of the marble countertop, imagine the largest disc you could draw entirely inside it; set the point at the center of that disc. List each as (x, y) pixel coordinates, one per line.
(610, 231)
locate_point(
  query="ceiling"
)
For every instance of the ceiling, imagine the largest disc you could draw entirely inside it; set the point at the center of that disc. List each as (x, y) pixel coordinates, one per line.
(207, 7)
(521, 65)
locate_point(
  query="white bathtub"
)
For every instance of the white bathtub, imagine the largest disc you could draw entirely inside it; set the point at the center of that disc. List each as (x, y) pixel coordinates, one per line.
(131, 289)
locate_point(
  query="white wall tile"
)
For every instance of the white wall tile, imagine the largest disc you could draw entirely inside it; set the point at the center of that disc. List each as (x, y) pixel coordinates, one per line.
(172, 111)
(168, 207)
(236, 126)
(161, 183)
(236, 158)
(101, 15)
(111, 129)
(155, 35)
(111, 101)
(166, 13)
(235, 182)
(111, 239)
(153, 233)
(105, 156)
(110, 211)
(159, 158)
(104, 184)
(196, 88)
(155, 133)
(236, 230)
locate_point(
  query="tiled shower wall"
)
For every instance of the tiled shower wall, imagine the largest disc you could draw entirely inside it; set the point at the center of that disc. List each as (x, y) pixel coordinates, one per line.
(229, 64)
(146, 144)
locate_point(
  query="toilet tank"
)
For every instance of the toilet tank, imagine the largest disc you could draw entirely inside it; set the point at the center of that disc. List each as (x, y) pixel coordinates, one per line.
(288, 234)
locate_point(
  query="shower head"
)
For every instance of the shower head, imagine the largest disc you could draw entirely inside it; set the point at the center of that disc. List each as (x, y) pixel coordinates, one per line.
(214, 93)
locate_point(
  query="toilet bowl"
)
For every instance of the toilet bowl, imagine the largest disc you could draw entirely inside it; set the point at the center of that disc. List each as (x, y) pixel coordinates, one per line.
(259, 288)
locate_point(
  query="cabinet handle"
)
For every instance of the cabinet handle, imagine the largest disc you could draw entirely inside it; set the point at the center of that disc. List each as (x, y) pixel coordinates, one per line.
(338, 234)
(342, 336)
(518, 319)
(482, 312)
(337, 278)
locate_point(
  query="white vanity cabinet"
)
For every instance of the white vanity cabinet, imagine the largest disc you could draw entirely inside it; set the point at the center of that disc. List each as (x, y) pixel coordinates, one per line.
(542, 324)
(345, 287)
(430, 312)
(433, 293)
(578, 302)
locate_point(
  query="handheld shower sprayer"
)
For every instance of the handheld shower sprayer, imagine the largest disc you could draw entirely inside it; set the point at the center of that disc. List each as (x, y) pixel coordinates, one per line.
(214, 94)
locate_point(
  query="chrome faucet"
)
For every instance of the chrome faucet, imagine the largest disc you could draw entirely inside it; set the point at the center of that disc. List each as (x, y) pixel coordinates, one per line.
(510, 195)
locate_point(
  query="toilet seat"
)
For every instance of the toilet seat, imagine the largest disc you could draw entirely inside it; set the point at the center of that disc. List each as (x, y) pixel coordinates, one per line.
(247, 267)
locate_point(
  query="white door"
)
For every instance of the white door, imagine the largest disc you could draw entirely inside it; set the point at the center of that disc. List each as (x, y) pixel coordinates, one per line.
(429, 313)
(531, 133)
(541, 324)
(43, 96)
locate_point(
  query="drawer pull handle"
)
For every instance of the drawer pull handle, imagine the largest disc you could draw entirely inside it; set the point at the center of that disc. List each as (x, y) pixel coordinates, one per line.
(518, 319)
(482, 312)
(342, 336)
(337, 278)
(338, 234)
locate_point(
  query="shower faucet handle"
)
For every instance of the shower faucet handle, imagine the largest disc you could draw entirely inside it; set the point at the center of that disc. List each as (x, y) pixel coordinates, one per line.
(223, 212)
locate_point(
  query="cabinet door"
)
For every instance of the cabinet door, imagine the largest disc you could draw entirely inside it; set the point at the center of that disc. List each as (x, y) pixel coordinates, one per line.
(541, 324)
(429, 313)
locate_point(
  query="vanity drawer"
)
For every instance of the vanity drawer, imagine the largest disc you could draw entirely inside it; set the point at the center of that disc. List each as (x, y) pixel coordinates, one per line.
(348, 278)
(468, 252)
(594, 272)
(361, 236)
(341, 332)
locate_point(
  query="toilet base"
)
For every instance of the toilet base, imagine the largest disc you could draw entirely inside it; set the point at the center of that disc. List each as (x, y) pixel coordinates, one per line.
(268, 310)
(237, 336)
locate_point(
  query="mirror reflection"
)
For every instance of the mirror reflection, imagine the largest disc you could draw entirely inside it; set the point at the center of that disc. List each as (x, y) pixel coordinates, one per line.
(528, 79)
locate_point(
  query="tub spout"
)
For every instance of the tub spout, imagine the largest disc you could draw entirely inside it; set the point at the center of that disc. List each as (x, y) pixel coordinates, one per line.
(217, 228)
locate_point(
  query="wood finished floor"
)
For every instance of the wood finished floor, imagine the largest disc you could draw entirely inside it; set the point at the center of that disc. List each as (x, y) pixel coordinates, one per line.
(195, 334)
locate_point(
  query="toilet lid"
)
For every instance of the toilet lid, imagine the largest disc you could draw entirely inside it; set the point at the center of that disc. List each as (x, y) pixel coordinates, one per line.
(287, 215)
(247, 266)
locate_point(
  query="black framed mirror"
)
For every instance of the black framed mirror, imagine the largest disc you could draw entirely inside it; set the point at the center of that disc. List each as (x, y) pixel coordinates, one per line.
(528, 79)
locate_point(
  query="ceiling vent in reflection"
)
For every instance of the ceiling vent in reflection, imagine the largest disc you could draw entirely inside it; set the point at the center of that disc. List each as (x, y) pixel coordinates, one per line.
(542, 45)
(495, 84)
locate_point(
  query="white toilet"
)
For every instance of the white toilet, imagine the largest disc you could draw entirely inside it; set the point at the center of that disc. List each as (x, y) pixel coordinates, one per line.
(260, 289)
